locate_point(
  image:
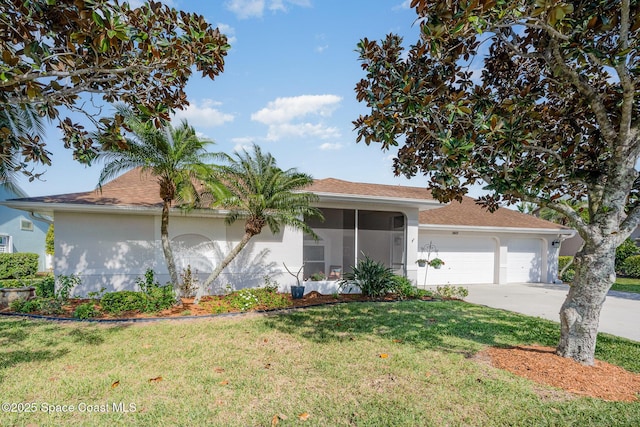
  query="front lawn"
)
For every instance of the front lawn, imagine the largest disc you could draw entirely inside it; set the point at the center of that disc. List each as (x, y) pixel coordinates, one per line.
(626, 284)
(403, 363)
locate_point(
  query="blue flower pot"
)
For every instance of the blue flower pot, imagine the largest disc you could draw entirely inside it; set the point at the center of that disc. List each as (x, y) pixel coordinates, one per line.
(297, 292)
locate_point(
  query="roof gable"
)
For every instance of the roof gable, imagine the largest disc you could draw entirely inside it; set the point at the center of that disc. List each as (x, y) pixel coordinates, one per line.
(469, 213)
(133, 188)
(337, 186)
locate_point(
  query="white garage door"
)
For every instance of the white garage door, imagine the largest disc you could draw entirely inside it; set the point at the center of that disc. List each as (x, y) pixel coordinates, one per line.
(467, 260)
(524, 260)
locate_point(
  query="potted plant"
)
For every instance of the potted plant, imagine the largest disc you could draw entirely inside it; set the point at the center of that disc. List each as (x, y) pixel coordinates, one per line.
(317, 277)
(421, 262)
(297, 292)
(436, 263)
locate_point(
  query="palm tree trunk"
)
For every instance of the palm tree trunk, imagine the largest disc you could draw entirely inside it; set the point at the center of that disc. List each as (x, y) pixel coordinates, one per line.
(223, 264)
(166, 248)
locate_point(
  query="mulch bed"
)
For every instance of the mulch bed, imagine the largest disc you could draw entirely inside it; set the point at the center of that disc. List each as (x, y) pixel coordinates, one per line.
(543, 366)
(188, 308)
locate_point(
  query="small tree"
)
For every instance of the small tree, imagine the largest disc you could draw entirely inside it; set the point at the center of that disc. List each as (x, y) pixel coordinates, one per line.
(49, 241)
(173, 156)
(256, 190)
(553, 115)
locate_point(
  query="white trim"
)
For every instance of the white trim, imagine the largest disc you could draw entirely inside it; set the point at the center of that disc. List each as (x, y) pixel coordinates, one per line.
(49, 208)
(493, 229)
(421, 204)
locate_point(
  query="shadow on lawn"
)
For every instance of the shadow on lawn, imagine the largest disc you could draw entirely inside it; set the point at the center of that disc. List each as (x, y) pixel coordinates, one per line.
(24, 341)
(450, 325)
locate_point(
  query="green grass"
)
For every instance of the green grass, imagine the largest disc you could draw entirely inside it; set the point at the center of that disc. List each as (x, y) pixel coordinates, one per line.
(325, 361)
(626, 284)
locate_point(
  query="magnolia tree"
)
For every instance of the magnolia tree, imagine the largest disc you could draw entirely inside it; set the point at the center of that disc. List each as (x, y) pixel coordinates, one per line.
(535, 99)
(56, 55)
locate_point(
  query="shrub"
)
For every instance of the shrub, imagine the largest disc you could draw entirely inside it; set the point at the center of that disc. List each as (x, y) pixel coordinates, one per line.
(121, 301)
(46, 288)
(631, 266)
(243, 300)
(18, 265)
(86, 311)
(152, 298)
(43, 305)
(50, 305)
(563, 261)
(449, 291)
(159, 298)
(19, 283)
(568, 275)
(22, 305)
(189, 283)
(65, 285)
(372, 277)
(264, 298)
(405, 289)
(625, 250)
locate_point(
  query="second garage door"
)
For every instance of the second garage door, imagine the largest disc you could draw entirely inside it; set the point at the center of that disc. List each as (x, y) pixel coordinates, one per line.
(524, 260)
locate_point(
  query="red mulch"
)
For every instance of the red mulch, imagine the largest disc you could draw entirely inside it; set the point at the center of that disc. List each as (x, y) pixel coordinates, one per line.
(542, 365)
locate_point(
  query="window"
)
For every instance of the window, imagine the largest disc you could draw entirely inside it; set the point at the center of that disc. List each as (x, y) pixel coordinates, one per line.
(26, 225)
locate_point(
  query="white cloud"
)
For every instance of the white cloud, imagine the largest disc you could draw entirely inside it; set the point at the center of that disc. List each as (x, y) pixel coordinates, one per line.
(255, 8)
(331, 146)
(284, 110)
(204, 114)
(238, 148)
(299, 116)
(301, 130)
(406, 4)
(321, 49)
(243, 140)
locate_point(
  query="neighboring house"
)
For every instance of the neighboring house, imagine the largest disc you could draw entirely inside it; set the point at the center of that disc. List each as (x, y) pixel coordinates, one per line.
(573, 244)
(111, 237)
(20, 231)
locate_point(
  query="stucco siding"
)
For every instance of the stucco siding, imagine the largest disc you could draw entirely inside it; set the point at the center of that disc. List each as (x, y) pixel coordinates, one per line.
(112, 251)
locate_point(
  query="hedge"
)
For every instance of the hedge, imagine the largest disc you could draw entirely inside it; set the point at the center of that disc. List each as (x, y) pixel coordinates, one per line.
(631, 267)
(18, 265)
(562, 261)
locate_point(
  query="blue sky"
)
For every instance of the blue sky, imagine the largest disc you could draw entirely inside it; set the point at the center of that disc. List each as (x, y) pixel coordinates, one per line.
(288, 86)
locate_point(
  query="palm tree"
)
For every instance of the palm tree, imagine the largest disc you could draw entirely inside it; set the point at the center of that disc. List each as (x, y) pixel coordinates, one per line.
(173, 155)
(263, 195)
(20, 125)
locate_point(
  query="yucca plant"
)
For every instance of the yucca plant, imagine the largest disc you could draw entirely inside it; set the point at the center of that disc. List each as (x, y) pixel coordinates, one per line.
(372, 277)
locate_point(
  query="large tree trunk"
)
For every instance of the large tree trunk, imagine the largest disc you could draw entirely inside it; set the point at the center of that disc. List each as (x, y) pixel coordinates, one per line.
(223, 264)
(580, 313)
(166, 248)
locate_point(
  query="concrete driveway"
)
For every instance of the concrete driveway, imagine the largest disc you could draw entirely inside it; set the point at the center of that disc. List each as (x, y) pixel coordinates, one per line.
(620, 314)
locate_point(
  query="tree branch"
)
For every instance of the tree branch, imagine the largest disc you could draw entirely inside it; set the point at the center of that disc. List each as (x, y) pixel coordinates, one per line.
(595, 99)
(631, 222)
(628, 86)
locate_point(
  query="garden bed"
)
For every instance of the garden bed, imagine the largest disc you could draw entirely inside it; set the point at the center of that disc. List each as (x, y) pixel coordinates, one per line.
(208, 305)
